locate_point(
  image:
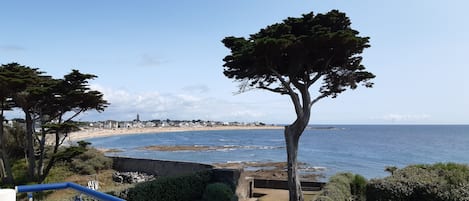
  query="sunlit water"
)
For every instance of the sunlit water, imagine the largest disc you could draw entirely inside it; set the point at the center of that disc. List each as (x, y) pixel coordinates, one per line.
(362, 149)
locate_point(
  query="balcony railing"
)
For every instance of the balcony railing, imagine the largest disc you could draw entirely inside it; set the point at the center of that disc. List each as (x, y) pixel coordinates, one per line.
(58, 186)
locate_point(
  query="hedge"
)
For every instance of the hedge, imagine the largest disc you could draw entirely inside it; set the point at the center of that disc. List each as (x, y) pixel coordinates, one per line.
(218, 192)
(438, 182)
(182, 188)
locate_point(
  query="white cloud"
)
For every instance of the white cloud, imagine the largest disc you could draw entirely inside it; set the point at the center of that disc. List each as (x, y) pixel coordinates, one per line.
(184, 106)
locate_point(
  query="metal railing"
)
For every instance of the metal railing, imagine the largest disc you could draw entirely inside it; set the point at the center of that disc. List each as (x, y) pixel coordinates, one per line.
(57, 186)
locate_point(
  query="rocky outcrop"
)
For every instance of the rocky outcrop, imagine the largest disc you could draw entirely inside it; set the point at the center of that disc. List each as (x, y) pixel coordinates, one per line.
(131, 177)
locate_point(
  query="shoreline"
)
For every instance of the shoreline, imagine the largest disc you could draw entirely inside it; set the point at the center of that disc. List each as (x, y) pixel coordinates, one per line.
(96, 133)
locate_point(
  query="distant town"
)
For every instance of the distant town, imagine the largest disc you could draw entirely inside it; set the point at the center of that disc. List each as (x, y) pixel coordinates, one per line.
(137, 123)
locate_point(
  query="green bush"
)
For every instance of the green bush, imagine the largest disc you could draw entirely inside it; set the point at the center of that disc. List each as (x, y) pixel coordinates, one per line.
(344, 187)
(438, 182)
(218, 192)
(182, 188)
(323, 198)
(358, 188)
(90, 162)
(338, 187)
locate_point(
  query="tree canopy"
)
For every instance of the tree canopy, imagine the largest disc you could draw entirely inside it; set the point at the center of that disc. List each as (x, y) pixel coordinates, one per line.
(297, 53)
(51, 103)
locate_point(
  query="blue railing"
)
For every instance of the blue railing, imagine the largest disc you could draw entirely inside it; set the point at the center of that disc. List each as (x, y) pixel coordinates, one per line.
(57, 186)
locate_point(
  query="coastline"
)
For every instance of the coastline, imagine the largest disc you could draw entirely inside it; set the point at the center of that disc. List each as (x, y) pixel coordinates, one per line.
(96, 133)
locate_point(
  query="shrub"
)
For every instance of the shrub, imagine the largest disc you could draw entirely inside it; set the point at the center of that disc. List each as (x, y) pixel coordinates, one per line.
(323, 198)
(182, 188)
(218, 192)
(90, 162)
(438, 182)
(338, 187)
(358, 188)
(344, 187)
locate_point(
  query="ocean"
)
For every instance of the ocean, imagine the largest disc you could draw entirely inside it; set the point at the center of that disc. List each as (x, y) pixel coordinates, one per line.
(362, 149)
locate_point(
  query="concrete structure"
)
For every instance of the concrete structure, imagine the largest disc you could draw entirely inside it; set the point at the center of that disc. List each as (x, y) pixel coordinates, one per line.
(157, 167)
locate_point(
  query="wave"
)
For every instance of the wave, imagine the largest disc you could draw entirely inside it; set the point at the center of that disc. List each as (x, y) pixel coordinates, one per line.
(193, 148)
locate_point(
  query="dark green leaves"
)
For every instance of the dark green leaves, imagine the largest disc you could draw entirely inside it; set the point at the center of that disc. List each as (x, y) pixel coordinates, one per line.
(299, 49)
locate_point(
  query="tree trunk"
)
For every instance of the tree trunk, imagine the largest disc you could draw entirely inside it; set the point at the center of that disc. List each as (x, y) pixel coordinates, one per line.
(51, 162)
(292, 137)
(4, 156)
(30, 146)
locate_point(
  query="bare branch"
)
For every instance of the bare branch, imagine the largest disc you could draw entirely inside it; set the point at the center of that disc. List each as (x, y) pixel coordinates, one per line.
(63, 139)
(281, 91)
(76, 114)
(294, 96)
(318, 98)
(315, 78)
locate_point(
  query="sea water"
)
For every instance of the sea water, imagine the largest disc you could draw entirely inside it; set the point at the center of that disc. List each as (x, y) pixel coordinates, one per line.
(362, 149)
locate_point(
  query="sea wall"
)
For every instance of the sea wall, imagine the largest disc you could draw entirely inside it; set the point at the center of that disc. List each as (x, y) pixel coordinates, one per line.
(157, 167)
(283, 184)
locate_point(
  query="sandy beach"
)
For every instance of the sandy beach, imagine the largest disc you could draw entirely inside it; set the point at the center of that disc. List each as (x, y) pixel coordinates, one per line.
(94, 133)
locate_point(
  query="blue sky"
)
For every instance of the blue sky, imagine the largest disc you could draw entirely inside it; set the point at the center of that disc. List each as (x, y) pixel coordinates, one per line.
(163, 59)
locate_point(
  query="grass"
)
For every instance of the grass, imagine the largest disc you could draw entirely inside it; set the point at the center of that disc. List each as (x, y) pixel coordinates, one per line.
(62, 173)
(105, 185)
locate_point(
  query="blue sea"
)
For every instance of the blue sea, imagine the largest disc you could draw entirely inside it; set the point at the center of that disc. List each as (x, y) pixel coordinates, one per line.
(362, 149)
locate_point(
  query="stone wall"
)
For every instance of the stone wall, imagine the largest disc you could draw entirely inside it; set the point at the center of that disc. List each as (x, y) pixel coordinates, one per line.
(236, 179)
(157, 167)
(283, 184)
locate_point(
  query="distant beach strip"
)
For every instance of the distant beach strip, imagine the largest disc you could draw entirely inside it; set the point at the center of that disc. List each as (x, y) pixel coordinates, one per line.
(97, 133)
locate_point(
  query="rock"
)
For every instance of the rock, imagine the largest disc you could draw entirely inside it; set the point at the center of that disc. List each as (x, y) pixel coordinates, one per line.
(131, 177)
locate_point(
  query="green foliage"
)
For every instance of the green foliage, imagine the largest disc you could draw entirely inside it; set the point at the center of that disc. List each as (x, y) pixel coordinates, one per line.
(56, 102)
(438, 182)
(358, 187)
(59, 173)
(90, 162)
(14, 140)
(338, 187)
(323, 198)
(218, 192)
(182, 188)
(19, 168)
(343, 187)
(69, 153)
(300, 50)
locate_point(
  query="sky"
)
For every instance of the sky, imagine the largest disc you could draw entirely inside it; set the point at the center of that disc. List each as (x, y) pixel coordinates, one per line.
(163, 59)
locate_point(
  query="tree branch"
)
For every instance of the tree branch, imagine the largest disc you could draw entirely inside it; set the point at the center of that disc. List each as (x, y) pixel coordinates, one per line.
(294, 96)
(318, 98)
(76, 114)
(281, 91)
(315, 78)
(319, 74)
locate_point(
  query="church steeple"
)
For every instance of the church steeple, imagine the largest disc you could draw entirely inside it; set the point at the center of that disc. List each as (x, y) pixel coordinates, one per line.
(138, 118)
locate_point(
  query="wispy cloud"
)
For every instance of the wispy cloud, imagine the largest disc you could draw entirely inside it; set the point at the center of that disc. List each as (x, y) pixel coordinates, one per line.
(405, 117)
(196, 89)
(147, 60)
(11, 48)
(154, 105)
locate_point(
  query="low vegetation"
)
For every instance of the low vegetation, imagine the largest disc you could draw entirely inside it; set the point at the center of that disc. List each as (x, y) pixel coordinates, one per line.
(182, 188)
(344, 187)
(218, 192)
(90, 162)
(438, 182)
